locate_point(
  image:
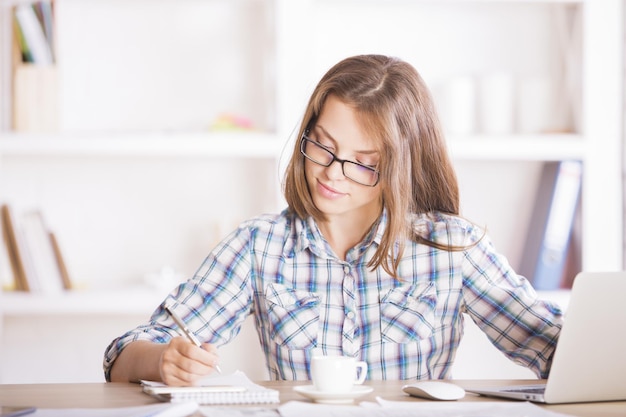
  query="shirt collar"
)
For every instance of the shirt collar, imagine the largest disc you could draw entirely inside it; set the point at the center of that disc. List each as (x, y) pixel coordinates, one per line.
(308, 236)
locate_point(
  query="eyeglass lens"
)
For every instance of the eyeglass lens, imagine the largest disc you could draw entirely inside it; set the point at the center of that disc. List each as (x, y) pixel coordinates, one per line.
(356, 172)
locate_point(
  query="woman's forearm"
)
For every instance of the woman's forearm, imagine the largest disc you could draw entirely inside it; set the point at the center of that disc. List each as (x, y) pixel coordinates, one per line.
(139, 360)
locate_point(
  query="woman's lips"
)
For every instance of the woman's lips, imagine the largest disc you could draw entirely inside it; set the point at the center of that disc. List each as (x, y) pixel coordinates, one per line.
(328, 192)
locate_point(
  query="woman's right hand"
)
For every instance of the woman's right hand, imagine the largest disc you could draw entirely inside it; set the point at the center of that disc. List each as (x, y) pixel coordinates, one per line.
(183, 364)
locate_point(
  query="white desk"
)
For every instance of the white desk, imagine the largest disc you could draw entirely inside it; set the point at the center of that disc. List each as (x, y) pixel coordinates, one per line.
(104, 395)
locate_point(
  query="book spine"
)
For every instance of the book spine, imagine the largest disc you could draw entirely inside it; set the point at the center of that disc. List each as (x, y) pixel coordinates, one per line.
(41, 253)
(60, 260)
(549, 235)
(22, 46)
(6, 268)
(33, 35)
(13, 248)
(45, 14)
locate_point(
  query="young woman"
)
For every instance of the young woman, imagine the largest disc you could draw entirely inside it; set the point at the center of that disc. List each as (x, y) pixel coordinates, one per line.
(370, 259)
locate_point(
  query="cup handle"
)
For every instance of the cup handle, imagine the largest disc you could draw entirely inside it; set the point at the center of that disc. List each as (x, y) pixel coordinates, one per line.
(361, 368)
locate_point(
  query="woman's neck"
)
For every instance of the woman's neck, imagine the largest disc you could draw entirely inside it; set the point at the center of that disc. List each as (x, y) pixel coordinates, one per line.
(346, 231)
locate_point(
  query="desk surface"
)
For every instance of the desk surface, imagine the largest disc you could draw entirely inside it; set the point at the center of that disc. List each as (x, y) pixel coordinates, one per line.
(103, 395)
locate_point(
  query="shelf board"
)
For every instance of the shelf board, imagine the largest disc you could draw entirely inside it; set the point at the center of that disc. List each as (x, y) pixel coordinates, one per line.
(475, 1)
(167, 144)
(133, 301)
(552, 147)
(265, 145)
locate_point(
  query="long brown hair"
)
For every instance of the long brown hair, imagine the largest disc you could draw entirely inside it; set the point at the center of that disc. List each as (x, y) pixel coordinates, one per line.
(395, 107)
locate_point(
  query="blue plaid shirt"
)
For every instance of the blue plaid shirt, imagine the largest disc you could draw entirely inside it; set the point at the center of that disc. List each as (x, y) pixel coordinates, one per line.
(303, 296)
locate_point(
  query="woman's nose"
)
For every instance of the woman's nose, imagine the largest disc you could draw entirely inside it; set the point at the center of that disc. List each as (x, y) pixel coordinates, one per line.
(335, 170)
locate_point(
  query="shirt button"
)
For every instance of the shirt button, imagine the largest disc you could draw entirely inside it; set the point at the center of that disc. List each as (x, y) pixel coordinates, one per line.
(346, 269)
(350, 315)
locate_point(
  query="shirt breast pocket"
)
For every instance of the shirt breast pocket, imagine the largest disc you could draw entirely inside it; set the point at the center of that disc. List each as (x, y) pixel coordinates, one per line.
(408, 313)
(293, 316)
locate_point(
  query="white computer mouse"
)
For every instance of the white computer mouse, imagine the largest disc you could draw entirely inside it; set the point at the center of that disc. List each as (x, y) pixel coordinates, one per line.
(434, 390)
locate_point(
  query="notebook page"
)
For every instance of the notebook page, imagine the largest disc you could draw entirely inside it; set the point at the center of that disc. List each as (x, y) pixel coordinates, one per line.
(235, 388)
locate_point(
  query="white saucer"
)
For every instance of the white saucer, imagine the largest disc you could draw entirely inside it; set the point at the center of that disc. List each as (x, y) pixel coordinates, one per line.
(310, 392)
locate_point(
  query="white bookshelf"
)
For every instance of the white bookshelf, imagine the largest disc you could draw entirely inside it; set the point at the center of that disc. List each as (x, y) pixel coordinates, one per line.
(168, 144)
(265, 145)
(519, 147)
(129, 302)
(127, 196)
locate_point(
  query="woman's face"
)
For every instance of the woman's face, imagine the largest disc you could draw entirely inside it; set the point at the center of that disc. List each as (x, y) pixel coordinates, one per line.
(338, 129)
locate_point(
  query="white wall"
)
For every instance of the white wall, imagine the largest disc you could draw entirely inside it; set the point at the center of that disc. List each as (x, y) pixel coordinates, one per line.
(121, 218)
(62, 348)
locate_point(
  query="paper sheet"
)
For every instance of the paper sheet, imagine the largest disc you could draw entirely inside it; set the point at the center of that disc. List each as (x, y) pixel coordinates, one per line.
(152, 410)
(213, 411)
(384, 408)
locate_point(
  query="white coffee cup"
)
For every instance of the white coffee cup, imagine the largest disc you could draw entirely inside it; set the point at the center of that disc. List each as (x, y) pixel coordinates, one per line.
(337, 374)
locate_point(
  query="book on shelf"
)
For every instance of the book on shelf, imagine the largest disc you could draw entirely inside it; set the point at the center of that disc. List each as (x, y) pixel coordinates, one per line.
(36, 259)
(21, 47)
(16, 255)
(44, 12)
(35, 83)
(41, 264)
(545, 255)
(7, 277)
(60, 261)
(32, 32)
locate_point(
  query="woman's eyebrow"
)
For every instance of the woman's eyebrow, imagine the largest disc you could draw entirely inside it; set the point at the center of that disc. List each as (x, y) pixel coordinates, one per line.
(329, 136)
(325, 132)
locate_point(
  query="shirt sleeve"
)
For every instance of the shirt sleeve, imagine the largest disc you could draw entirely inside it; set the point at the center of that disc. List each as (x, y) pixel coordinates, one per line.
(213, 303)
(507, 309)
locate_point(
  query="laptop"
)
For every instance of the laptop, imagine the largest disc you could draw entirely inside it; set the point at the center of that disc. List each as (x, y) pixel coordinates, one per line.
(590, 359)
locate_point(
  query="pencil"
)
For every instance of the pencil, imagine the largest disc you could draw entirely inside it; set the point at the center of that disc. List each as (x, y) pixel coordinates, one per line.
(192, 337)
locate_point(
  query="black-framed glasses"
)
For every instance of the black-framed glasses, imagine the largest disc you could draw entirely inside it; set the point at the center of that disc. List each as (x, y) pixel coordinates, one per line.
(359, 173)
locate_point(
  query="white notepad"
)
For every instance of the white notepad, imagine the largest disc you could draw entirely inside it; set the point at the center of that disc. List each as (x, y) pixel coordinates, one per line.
(235, 388)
